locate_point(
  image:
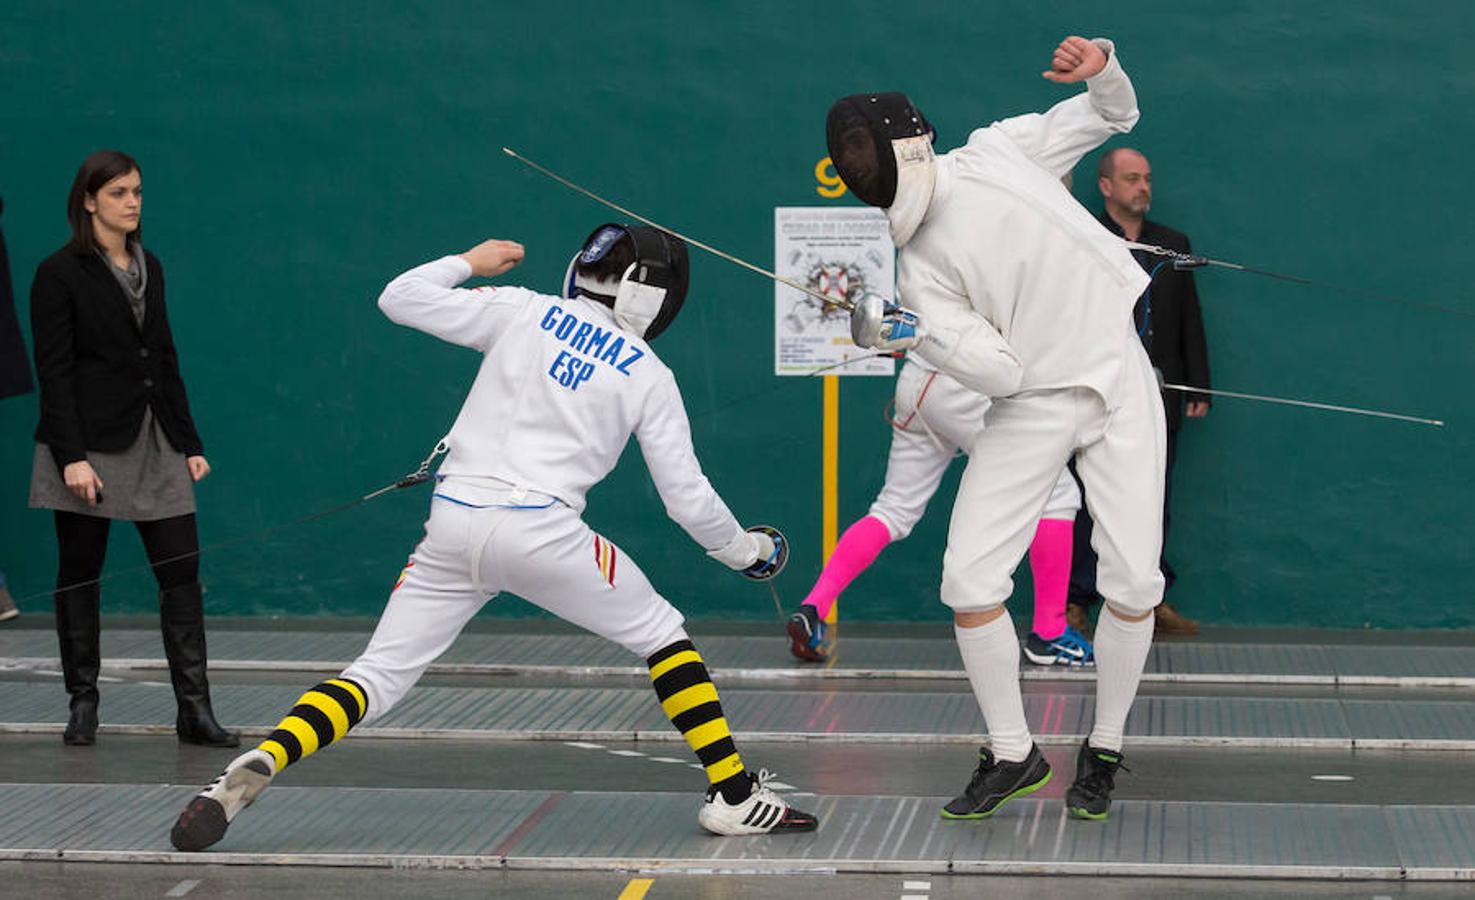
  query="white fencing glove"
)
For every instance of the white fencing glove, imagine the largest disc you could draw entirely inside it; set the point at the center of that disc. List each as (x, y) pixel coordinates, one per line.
(773, 553)
(877, 325)
(758, 553)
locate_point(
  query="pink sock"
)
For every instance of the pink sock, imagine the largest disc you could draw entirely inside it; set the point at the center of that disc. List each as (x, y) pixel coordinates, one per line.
(1049, 560)
(858, 548)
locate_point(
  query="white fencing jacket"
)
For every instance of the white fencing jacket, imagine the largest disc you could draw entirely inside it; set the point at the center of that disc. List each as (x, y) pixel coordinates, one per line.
(560, 390)
(1018, 286)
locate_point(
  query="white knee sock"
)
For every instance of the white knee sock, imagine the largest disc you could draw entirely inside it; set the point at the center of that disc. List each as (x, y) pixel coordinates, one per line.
(1121, 652)
(991, 657)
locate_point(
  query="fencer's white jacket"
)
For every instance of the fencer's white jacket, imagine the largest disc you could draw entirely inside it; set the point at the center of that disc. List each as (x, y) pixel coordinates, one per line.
(1018, 286)
(560, 390)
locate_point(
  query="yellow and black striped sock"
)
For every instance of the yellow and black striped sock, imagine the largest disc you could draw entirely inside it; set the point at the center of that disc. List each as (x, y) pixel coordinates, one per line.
(321, 716)
(690, 701)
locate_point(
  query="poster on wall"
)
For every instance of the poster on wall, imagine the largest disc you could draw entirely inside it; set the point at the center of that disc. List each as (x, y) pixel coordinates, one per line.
(842, 253)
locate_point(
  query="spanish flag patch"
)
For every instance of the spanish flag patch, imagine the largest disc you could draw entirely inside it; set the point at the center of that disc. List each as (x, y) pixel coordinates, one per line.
(604, 558)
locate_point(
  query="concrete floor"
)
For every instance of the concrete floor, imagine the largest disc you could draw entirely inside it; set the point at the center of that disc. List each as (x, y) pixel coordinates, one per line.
(1187, 774)
(86, 881)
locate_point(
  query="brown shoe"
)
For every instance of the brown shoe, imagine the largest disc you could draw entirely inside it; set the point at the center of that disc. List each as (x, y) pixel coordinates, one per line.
(1172, 623)
(1076, 617)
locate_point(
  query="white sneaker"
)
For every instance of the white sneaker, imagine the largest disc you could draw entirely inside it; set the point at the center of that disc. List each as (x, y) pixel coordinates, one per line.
(764, 811)
(210, 813)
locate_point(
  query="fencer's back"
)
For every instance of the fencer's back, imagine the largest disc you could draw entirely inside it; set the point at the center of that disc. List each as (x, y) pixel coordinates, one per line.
(559, 392)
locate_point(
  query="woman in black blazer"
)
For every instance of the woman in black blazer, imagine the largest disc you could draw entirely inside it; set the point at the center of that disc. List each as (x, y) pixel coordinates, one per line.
(116, 440)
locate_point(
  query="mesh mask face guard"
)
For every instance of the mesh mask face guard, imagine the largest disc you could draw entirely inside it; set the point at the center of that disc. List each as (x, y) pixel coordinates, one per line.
(652, 289)
(860, 131)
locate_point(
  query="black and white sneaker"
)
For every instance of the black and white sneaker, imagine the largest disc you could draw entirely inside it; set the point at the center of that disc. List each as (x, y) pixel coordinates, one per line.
(763, 812)
(995, 782)
(210, 813)
(807, 639)
(1070, 649)
(1090, 796)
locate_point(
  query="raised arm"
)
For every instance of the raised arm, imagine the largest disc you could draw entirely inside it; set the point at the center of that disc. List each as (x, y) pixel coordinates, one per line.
(427, 297)
(1058, 138)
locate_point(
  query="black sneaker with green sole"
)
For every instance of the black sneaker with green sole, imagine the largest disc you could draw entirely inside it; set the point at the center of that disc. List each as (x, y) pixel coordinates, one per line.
(996, 782)
(1090, 796)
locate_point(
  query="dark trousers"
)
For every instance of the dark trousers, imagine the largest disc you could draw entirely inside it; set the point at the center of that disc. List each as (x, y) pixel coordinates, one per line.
(172, 546)
(1083, 556)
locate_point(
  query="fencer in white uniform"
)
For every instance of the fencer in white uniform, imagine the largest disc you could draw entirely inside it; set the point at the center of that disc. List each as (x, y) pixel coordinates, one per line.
(1023, 296)
(934, 419)
(564, 382)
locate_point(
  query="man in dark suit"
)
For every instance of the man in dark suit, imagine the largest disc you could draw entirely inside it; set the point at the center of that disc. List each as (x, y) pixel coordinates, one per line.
(1171, 326)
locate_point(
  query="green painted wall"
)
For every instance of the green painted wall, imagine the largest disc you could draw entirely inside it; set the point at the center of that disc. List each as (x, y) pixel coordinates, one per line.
(296, 156)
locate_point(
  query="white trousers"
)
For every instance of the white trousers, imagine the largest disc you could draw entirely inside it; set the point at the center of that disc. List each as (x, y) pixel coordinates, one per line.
(1013, 467)
(470, 553)
(934, 418)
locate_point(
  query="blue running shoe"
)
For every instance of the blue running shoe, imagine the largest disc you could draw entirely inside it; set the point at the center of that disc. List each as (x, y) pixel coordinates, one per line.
(1071, 649)
(807, 635)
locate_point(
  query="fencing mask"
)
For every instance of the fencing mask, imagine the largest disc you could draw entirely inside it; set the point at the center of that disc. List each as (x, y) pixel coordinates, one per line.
(638, 271)
(881, 146)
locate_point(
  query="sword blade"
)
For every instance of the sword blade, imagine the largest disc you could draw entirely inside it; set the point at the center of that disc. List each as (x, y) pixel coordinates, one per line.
(1195, 261)
(1308, 404)
(841, 302)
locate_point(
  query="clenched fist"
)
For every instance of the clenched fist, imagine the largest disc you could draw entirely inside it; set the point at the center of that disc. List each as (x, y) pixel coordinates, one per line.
(492, 257)
(1076, 59)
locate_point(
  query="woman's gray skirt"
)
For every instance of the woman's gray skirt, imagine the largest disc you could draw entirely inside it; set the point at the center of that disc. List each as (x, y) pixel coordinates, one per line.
(150, 480)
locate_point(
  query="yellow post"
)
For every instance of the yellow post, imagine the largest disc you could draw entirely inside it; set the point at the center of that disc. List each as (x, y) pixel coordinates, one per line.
(830, 475)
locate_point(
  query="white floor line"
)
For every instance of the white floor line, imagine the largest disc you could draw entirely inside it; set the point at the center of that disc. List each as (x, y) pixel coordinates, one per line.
(184, 887)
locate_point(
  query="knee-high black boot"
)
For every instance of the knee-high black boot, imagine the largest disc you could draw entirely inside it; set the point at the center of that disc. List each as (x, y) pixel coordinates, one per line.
(182, 618)
(78, 630)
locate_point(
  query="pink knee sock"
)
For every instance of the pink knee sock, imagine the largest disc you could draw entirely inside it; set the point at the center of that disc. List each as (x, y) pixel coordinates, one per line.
(858, 548)
(1049, 560)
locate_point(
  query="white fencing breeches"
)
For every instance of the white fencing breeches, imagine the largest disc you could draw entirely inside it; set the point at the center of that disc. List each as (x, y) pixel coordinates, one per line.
(547, 556)
(1013, 467)
(934, 418)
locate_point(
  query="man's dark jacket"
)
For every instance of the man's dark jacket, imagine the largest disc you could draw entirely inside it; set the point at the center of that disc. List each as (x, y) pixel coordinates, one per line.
(98, 369)
(1174, 324)
(15, 371)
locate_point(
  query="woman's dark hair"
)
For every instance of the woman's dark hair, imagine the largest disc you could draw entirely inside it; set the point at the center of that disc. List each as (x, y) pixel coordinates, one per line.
(96, 170)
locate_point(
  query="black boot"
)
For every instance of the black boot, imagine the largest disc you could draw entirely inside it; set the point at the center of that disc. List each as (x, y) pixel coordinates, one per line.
(182, 619)
(78, 631)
